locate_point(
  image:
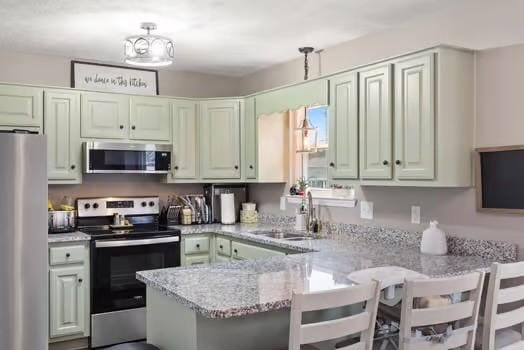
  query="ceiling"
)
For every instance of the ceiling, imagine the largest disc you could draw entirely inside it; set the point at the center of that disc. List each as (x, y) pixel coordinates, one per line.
(227, 37)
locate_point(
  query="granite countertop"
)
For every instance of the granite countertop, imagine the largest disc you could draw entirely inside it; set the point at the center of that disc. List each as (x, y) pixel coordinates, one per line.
(241, 288)
(67, 237)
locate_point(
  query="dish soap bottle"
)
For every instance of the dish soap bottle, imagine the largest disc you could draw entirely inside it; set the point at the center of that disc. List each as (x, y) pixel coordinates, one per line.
(434, 240)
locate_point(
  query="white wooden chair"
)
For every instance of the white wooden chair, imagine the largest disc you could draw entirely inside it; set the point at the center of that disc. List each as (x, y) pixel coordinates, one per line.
(497, 332)
(363, 323)
(459, 320)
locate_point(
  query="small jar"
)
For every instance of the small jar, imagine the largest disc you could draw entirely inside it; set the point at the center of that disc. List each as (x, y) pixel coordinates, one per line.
(186, 217)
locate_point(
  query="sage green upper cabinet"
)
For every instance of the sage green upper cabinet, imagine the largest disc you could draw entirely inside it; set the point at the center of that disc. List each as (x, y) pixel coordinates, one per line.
(104, 115)
(21, 106)
(414, 118)
(185, 131)
(375, 122)
(250, 137)
(220, 139)
(62, 127)
(343, 127)
(149, 119)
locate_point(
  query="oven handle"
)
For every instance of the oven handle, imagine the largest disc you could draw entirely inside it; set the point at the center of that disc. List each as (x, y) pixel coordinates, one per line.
(135, 242)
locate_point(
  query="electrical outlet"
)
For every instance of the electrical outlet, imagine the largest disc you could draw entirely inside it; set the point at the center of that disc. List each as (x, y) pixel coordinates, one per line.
(283, 203)
(415, 214)
(366, 210)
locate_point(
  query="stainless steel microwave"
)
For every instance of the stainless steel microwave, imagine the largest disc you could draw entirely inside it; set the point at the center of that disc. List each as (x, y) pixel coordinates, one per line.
(116, 157)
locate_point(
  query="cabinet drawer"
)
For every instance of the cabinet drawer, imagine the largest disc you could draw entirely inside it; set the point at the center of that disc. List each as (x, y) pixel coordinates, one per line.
(196, 245)
(197, 260)
(246, 251)
(223, 246)
(66, 255)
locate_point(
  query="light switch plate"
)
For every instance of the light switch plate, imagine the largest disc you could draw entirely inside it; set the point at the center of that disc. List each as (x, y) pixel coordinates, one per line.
(366, 210)
(415, 214)
(283, 203)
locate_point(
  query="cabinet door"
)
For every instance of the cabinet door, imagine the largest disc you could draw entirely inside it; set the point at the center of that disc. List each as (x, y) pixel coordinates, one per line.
(185, 128)
(250, 136)
(104, 116)
(21, 106)
(375, 123)
(415, 118)
(248, 251)
(67, 297)
(62, 127)
(220, 139)
(149, 119)
(343, 130)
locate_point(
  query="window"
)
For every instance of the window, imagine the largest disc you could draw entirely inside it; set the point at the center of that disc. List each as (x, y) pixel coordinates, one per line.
(315, 165)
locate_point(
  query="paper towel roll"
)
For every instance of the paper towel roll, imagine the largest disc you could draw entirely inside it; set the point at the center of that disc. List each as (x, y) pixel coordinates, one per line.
(227, 208)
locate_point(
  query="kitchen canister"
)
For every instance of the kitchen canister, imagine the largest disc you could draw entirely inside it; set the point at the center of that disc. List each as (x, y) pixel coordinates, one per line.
(434, 240)
(227, 208)
(248, 216)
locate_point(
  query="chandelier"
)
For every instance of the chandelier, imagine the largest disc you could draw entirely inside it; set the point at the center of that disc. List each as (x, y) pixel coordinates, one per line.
(149, 50)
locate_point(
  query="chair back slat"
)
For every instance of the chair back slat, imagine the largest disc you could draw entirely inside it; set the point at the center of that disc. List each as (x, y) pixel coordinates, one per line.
(327, 330)
(466, 312)
(493, 320)
(443, 314)
(363, 322)
(336, 298)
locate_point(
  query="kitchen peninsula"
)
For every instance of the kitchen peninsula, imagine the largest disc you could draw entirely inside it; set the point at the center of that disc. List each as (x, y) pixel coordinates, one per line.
(245, 304)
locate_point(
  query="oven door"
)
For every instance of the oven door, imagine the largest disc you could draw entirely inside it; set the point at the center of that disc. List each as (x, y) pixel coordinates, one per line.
(108, 157)
(114, 266)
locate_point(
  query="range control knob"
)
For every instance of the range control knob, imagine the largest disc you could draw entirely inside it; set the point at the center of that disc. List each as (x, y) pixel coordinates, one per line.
(151, 204)
(87, 206)
(95, 206)
(143, 204)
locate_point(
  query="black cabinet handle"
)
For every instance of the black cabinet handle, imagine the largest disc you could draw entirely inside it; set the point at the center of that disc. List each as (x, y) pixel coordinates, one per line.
(385, 162)
(133, 127)
(332, 164)
(80, 280)
(236, 167)
(397, 162)
(68, 255)
(198, 246)
(73, 167)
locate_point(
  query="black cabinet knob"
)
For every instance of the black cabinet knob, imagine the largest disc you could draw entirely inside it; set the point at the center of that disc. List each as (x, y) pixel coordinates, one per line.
(385, 162)
(235, 251)
(332, 164)
(176, 167)
(397, 162)
(68, 255)
(121, 127)
(251, 167)
(133, 127)
(73, 167)
(236, 167)
(198, 246)
(221, 246)
(80, 280)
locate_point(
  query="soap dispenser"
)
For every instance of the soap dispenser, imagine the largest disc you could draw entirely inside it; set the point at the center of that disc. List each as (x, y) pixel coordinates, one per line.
(434, 240)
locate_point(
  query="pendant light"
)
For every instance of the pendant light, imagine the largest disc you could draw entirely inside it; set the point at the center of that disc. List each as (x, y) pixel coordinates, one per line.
(306, 136)
(306, 50)
(149, 50)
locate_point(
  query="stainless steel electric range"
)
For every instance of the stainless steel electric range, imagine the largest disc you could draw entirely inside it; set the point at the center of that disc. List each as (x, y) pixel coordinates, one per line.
(125, 238)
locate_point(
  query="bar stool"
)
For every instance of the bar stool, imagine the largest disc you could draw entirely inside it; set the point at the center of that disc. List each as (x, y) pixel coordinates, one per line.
(497, 332)
(133, 346)
(450, 325)
(363, 323)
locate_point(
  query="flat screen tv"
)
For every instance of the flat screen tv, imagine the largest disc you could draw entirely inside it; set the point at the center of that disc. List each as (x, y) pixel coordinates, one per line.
(500, 179)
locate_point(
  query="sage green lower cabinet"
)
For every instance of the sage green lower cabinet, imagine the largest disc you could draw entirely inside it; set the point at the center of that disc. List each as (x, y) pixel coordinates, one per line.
(149, 119)
(21, 106)
(196, 250)
(375, 119)
(220, 139)
(250, 139)
(185, 139)
(104, 115)
(62, 127)
(68, 291)
(415, 118)
(343, 127)
(245, 251)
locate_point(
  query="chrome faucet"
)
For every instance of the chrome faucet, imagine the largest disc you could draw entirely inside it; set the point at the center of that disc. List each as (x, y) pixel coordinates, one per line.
(311, 219)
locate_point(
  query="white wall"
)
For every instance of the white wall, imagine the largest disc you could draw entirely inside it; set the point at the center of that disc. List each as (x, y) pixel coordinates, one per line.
(477, 24)
(56, 71)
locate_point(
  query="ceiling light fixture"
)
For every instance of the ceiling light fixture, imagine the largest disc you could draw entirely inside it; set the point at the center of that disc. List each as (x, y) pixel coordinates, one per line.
(306, 51)
(149, 50)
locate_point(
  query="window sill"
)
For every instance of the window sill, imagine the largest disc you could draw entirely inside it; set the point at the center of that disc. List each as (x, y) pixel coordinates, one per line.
(325, 201)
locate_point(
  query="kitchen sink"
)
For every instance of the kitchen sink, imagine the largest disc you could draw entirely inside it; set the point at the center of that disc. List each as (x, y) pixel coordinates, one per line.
(283, 234)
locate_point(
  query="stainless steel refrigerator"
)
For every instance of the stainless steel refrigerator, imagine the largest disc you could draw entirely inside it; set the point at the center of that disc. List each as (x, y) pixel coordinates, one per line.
(23, 242)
